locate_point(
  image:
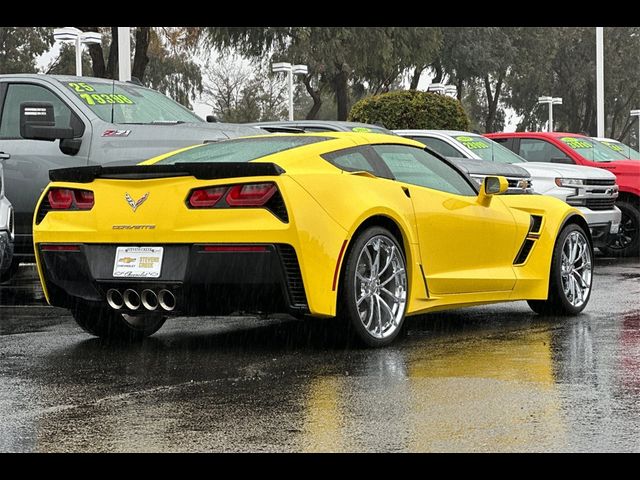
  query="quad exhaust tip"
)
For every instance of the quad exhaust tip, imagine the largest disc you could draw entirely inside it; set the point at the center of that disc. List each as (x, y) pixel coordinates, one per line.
(167, 300)
(148, 299)
(114, 299)
(131, 299)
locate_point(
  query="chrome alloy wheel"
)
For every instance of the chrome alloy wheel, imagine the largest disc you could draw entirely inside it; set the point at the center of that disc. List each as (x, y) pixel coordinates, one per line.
(576, 268)
(381, 287)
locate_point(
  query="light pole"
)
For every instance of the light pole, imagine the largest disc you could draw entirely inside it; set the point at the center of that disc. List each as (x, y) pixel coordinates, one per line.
(636, 113)
(551, 101)
(443, 89)
(78, 38)
(600, 80)
(290, 69)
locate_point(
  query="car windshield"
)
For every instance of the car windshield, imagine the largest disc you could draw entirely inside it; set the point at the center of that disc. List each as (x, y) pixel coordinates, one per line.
(620, 147)
(591, 149)
(488, 149)
(130, 104)
(240, 149)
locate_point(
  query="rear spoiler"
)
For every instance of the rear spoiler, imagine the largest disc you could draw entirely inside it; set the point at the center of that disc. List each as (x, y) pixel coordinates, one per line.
(201, 171)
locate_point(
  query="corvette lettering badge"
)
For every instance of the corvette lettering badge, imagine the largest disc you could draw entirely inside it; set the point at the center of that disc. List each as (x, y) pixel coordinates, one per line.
(134, 204)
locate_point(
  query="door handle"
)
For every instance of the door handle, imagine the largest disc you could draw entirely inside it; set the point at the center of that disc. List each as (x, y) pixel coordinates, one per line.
(5, 156)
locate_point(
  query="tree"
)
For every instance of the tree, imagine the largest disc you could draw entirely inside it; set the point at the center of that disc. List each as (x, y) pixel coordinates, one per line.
(241, 91)
(20, 46)
(337, 57)
(411, 109)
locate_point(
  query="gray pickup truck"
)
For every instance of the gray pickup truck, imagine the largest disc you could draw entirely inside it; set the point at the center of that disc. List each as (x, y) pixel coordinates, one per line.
(50, 121)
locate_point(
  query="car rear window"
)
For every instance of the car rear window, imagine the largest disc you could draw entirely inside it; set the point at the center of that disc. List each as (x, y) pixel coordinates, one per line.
(240, 149)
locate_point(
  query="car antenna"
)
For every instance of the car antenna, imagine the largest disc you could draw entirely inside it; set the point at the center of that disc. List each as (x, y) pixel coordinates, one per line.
(113, 92)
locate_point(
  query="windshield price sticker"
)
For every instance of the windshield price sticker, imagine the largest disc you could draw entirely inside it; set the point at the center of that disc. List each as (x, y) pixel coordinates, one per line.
(576, 143)
(613, 146)
(87, 93)
(472, 143)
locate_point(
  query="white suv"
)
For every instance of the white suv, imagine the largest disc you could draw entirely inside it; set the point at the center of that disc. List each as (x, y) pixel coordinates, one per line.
(593, 191)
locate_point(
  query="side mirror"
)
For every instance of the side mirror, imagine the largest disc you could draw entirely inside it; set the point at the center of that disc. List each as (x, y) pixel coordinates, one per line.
(37, 122)
(562, 160)
(492, 186)
(211, 119)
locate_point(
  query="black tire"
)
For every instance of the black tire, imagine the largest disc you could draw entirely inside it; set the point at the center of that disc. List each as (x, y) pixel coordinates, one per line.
(627, 242)
(107, 323)
(350, 290)
(11, 271)
(557, 302)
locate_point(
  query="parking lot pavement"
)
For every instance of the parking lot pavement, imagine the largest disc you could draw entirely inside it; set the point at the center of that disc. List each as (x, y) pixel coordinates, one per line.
(491, 378)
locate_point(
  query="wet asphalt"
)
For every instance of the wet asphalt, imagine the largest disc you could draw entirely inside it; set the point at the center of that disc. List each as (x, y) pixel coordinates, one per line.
(495, 378)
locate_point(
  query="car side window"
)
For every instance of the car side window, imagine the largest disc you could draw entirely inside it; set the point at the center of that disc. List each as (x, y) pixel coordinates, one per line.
(351, 160)
(18, 93)
(438, 145)
(417, 167)
(535, 150)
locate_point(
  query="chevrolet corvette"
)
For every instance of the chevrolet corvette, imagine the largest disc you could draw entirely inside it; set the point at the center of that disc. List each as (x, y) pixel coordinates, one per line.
(366, 227)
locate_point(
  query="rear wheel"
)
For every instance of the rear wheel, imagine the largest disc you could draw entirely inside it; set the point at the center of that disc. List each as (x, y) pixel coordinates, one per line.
(626, 243)
(571, 274)
(107, 323)
(374, 287)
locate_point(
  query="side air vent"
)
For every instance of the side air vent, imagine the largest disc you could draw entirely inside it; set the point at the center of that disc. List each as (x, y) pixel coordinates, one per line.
(293, 277)
(45, 207)
(523, 254)
(536, 223)
(277, 207)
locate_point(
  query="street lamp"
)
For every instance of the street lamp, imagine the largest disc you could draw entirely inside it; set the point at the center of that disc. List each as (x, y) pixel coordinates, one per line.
(636, 113)
(443, 89)
(290, 69)
(78, 37)
(551, 101)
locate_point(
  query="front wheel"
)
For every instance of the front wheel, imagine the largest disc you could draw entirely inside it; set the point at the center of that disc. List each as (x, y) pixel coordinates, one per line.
(571, 276)
(626, 243)
(374, 287)
(107, 323)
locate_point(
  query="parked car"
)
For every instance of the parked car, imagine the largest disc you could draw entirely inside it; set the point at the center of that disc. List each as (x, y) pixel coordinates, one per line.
(574, 149)
(619, 147)
(367, 227)
(310, 126)
(6, 228)
(93, 121)
(561, 181)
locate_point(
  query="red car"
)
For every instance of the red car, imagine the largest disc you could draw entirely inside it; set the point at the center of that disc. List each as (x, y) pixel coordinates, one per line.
(556, 147)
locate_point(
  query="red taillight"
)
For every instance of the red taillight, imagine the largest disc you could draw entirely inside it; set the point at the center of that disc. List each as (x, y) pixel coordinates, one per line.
(60, 248)
(234, 248)
(60, 198)
(70, 199)
(206, 197)
(84, 199)
(250, 195)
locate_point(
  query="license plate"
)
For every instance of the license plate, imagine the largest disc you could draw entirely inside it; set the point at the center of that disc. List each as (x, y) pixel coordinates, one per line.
(138, 262)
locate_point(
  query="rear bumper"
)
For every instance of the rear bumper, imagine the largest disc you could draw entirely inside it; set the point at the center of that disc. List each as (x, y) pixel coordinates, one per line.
(602, 223)
(266, 279)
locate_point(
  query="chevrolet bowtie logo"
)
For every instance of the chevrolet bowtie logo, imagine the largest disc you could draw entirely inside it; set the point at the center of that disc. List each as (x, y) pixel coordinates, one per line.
(134, 204)
(127, 260)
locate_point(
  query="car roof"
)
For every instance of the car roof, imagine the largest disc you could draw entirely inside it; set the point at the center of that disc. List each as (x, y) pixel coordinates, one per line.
(339, 125)
(451, 133)
(535, 134)
(68, 78)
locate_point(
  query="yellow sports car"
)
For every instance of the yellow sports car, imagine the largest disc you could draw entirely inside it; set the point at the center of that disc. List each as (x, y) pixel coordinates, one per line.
(367, 227)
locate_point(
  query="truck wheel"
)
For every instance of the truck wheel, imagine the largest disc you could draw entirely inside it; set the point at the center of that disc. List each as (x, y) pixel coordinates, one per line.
(374, 288)
(627, 242)
(571, 276)
(11, 271)
(106, 323)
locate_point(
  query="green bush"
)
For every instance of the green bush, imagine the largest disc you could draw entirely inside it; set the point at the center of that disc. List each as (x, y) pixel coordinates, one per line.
(410, 109)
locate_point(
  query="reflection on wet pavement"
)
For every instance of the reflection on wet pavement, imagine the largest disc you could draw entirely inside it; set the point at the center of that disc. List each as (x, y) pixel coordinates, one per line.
(494, 378)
